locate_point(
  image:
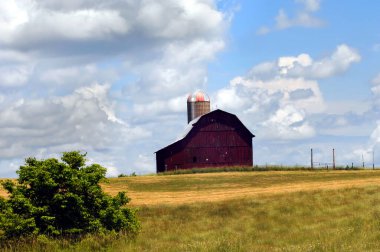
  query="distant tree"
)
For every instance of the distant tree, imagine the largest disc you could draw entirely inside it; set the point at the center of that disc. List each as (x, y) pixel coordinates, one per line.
(62, 198)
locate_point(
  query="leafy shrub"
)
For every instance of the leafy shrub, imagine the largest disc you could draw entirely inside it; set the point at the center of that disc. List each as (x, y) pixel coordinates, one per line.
(62, 198)
(122, 175)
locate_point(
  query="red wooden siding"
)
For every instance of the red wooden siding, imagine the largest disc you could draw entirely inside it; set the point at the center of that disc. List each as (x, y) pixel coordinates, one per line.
(217, 139)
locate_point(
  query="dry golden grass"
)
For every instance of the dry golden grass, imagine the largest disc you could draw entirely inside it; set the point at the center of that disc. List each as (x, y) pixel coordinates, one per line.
(214, 187)
(175, 198)
(3, 193)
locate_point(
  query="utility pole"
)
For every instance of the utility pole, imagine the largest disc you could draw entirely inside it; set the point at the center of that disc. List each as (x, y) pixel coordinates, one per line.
(333, 159)
(363, 160)
(373, 159)
(311, 158)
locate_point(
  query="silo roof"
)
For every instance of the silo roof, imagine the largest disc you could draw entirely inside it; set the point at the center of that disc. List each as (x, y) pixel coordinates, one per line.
(198, 96)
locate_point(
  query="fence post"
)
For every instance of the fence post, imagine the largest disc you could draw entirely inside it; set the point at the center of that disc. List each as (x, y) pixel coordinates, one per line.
(311, 158)
(333, 159)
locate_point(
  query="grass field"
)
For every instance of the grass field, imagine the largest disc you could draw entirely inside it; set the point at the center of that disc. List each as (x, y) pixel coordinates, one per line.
(246, 211)
(212, 187)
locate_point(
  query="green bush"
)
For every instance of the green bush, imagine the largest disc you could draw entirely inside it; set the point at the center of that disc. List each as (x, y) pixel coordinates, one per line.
(57, 198)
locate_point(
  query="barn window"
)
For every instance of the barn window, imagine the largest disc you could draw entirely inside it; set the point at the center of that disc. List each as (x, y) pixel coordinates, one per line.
(194, 159)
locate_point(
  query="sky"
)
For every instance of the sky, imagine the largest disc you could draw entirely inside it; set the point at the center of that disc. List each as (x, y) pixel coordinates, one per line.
(111, 78)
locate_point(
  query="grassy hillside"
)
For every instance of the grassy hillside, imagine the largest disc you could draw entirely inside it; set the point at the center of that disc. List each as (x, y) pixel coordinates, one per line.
(288, 211)
(211, 187)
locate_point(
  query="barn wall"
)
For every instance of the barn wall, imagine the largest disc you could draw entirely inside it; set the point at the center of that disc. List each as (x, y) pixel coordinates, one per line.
(217, 140)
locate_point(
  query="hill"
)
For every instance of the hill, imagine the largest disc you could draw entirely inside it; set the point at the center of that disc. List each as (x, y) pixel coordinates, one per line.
(214, 187)
(245, 211)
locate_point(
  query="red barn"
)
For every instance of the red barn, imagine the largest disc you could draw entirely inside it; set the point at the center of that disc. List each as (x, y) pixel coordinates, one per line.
(214, 139)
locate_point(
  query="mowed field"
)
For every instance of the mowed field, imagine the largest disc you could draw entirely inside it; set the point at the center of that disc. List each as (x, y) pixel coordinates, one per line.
(244, 211)
(214, 187)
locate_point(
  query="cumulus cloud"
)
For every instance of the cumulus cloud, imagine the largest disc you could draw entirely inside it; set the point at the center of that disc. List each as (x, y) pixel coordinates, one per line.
(84, 119)
(114, 24)
(376, 86)
(375, 136)
(150, 53)
(280, 98)
(289, 123)
(304, 66)
(304, 17)
(277, 107)
(15, 68)
(15, 75)
(180, 68)
(158, 107)
(373, 140)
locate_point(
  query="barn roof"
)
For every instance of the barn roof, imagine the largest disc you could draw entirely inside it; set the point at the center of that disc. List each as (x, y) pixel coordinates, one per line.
(192, 123)
(189, 127)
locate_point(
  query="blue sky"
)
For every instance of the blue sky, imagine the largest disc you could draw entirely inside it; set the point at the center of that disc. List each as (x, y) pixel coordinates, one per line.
(111, 78)
(353, 23)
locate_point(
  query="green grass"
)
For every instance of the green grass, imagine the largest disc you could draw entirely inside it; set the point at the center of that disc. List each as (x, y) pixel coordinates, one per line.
(337, 220)
(342, 220)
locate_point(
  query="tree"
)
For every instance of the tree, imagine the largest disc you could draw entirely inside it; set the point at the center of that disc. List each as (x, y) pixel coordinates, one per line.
(60, 198)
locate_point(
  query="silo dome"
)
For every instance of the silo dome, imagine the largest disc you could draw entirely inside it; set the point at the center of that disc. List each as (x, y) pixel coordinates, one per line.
(198, 96)
(198, 104)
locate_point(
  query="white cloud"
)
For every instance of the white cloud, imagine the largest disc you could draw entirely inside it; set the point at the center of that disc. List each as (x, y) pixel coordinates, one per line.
(112, 24)
(375, 136)
(279, 98)
(288, 123)
(188, 19)
(12, 56)
(151, 53)
(373, 141)
(376, 91)
(83, 120)
(15, 75)
(304, 17)
(277, 108)
(14, 14)
(304, 66)
(158, 107)
(310, 5)
(75, 25)
(178, 71)
(38, 24)
(287, 63)
(337, 63)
